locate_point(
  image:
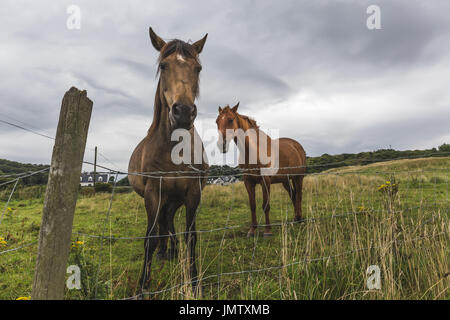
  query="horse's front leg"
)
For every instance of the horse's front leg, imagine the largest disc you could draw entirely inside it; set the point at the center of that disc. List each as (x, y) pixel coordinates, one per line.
(163, 234)
(265, 184)
(250, 186)
(191, 237)
(153, 203)
(170, 215)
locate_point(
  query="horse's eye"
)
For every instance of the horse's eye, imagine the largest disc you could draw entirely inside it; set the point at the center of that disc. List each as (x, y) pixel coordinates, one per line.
(198, 69)
(163, 66)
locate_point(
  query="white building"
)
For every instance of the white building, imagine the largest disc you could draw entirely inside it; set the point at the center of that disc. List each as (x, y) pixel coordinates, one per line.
(87, 179)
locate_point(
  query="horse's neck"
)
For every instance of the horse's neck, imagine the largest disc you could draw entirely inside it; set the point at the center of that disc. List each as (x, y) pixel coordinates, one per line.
(251, 143)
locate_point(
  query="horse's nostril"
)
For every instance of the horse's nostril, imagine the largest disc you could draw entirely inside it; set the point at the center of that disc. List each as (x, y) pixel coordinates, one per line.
(175, 109)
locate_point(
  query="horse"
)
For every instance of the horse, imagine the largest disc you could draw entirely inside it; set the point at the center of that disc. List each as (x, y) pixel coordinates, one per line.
(287, 167)
(169, 188)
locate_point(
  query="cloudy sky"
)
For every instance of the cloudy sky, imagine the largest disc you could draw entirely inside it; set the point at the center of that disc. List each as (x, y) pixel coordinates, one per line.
(311, 69)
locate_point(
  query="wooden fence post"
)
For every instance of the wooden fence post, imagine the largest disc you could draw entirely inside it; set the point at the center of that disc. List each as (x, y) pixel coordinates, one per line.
(61, 196)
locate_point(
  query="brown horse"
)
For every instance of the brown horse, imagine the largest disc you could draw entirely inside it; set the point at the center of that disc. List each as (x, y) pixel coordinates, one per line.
(287, 166)
(167, 189)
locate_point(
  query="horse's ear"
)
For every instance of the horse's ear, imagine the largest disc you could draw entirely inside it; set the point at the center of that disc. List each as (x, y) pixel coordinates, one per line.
(198, 46)
(234, 109)
(220, 109)
(157, 42)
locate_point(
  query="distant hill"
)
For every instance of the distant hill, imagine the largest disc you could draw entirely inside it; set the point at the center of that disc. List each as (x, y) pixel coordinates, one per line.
(326, 161)
(11, 169)
(314, 164)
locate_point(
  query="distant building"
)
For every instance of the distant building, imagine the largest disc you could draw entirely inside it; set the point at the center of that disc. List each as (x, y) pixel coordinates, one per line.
(87, 179)
(223, 181)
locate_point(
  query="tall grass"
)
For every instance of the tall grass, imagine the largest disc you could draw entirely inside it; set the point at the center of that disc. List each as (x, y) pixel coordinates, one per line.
(350, 225)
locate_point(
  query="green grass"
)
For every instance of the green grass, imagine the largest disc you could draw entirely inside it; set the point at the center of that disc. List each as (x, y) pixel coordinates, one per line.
(407, 237)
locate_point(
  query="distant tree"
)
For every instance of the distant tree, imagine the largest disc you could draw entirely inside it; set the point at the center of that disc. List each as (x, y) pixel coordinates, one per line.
(444, 147)
(123, 182)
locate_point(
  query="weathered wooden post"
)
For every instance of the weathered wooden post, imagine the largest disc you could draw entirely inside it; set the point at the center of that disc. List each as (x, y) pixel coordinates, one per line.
(61, 196)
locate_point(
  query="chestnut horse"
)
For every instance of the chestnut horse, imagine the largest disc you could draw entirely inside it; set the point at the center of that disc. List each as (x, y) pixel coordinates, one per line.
(288, 166)
(167, 189)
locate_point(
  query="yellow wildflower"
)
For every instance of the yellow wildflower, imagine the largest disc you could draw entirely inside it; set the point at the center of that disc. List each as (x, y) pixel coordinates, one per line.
(77, 244)
(24, 298)
(3, 242)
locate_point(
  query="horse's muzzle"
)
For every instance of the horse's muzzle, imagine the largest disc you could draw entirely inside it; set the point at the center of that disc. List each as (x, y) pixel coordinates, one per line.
(182, 116)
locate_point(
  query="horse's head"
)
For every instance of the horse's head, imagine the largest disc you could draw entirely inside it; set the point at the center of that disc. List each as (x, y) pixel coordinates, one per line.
(179, 69)
(227, 123)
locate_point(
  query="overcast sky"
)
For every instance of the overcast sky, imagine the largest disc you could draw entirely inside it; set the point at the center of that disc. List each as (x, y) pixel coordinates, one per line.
(311, 69)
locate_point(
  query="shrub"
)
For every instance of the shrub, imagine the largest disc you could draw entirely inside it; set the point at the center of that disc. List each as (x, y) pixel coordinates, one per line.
(103, 187)
(87, 191)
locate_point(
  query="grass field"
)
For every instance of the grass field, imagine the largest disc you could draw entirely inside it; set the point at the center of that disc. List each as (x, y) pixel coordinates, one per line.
(350, 225)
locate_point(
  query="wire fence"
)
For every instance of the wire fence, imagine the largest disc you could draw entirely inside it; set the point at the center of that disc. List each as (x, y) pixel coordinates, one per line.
(437, 206)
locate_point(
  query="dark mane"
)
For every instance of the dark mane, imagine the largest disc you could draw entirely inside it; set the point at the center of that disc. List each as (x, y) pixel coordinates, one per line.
(252, 122)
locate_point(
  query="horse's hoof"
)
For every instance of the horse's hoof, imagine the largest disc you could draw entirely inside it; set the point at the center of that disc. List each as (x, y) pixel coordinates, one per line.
(250, 234)
(299, 219)
(268, 234)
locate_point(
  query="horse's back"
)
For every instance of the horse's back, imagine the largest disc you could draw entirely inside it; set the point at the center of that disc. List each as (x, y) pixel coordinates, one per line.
(292, 157)
(135, 166)
(293, 150)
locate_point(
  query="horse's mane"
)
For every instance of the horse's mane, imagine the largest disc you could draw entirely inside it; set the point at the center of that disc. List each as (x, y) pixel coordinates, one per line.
(251, 122)
(178, 47)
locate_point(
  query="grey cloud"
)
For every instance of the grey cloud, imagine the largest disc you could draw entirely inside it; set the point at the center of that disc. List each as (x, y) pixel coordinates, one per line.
(97, 86)
(138, 67)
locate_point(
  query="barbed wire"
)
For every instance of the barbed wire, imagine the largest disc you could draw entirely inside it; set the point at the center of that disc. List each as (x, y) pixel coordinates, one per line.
(196, 174)
(196, 171)
(26, 129)
(243, 170)
(17, 174)
(24, 176)
(18, 248)
(7, 202)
